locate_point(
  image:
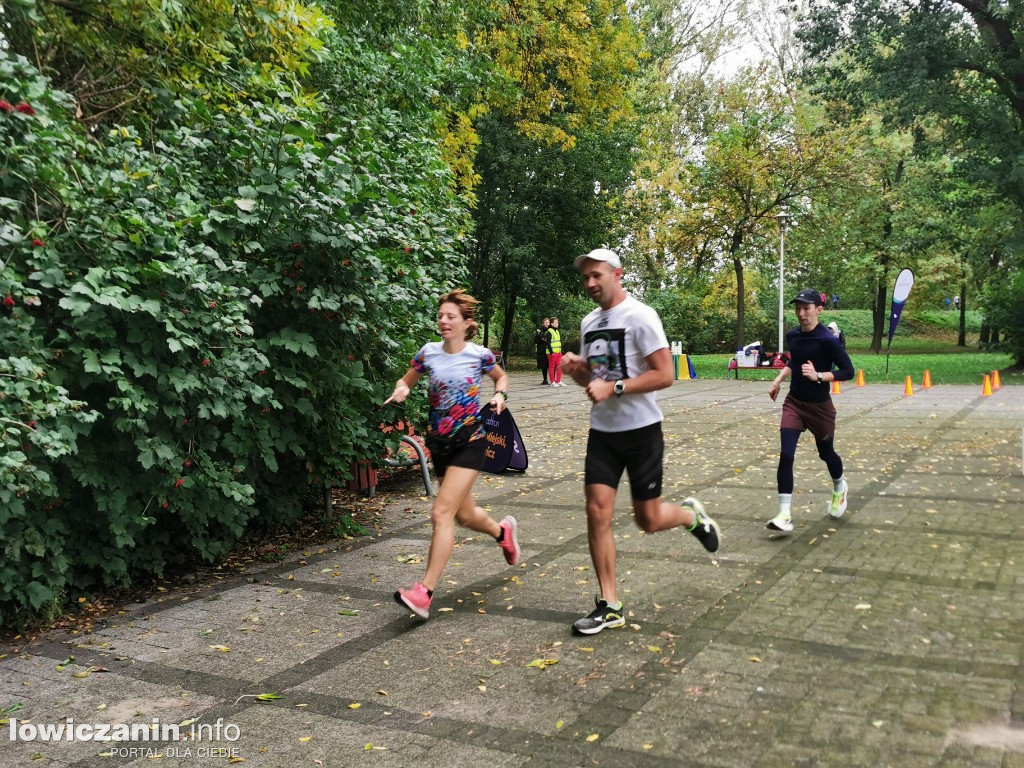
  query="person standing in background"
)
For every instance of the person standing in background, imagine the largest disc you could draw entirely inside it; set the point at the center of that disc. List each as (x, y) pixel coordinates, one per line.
(541, 341)
(555, 354)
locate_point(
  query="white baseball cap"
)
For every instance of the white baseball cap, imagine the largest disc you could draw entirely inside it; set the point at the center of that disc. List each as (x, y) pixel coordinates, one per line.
(599, 254)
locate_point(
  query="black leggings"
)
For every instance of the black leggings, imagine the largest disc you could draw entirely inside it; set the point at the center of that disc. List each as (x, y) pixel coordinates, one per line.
(826, 451)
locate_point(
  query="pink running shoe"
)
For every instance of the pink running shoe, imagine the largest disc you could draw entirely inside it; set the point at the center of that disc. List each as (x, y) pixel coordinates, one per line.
(510, 543)
(416, 599)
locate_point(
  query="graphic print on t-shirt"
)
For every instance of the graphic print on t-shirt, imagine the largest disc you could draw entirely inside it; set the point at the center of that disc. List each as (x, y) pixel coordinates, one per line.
(606, 354)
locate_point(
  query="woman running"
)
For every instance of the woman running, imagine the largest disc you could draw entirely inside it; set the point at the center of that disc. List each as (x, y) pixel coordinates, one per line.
(455, 368)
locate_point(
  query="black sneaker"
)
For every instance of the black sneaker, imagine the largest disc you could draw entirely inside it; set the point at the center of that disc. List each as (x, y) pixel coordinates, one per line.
(707, 531)
(600, 618)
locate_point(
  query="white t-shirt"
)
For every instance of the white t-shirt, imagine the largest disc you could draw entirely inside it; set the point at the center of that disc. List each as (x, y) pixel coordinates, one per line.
(616, 343)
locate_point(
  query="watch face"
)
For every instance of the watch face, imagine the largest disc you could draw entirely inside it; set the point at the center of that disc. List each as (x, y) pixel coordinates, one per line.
(620, 387)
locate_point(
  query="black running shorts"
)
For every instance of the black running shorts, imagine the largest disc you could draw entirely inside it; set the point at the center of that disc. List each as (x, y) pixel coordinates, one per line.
(471, 455)
(639, 451)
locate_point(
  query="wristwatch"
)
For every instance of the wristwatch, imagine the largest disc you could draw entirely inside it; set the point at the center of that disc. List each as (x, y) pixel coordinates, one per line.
(819, 377)
(620, 387)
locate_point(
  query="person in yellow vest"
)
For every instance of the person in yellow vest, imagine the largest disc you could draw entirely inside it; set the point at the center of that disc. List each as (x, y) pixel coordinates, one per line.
(555, 354)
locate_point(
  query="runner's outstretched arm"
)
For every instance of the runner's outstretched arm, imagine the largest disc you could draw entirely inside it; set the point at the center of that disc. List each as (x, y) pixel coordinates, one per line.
(404, 386)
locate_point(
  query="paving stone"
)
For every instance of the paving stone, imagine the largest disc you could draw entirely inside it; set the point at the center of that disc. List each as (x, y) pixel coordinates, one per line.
(875, 640)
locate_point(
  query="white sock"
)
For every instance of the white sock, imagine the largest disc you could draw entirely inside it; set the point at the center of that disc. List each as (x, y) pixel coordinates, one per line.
(785, 501)
(837, 484)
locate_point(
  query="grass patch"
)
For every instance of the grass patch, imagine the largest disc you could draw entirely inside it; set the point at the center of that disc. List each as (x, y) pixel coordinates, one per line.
(946, 368)
(928, 322)
(947, 363)
(915, 345)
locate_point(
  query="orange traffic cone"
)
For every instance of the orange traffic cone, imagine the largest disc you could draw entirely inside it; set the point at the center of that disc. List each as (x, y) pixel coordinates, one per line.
(927, 383)
(986, 388)
(908, 388)
(835, 388)
(860, 378)
(996, 384)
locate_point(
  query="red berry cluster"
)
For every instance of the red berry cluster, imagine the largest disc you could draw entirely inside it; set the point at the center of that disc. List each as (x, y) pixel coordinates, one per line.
(24, 107)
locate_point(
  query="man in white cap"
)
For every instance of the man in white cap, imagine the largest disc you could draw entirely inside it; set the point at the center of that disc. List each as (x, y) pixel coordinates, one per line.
(624, 359)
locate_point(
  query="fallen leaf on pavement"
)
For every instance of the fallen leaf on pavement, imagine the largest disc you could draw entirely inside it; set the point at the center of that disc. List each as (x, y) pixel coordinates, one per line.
(542, 663)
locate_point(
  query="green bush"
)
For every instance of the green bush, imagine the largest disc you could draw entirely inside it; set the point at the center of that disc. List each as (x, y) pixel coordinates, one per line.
(198, 324)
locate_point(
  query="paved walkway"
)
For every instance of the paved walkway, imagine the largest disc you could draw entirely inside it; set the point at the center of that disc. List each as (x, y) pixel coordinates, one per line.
(894, 637)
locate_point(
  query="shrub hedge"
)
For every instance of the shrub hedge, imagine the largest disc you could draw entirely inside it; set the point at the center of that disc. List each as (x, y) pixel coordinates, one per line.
(198, 324)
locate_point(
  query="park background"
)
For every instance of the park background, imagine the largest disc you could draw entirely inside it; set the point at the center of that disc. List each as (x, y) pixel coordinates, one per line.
(225, 225)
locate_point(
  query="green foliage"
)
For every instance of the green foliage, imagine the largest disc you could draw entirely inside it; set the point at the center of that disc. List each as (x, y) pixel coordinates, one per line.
(346, 527)
(763, 151)
(953, 58)
(947, 75)
(688, 318)
(127, 59)
(1005, 302)
(539, 207)
(195, 322)
(565, 64)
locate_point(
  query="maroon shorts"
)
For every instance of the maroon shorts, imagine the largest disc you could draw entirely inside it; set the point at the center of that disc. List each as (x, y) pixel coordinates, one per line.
(819, 418)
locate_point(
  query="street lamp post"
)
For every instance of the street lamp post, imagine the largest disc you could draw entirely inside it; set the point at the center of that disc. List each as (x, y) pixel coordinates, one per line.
(781, 218)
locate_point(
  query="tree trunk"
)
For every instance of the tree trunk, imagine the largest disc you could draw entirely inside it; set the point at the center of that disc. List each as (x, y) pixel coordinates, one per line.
(983, 335)
(741, 306)
(879, 313)
(506, 331)
(480, 289)
(961, 340)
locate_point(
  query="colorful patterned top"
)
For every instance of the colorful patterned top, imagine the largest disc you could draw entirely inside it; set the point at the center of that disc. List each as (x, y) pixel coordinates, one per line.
(454, 386)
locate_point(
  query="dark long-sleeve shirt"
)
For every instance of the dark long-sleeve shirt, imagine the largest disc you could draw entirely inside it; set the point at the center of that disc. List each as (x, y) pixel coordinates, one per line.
(823, 349)
(541, 340)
